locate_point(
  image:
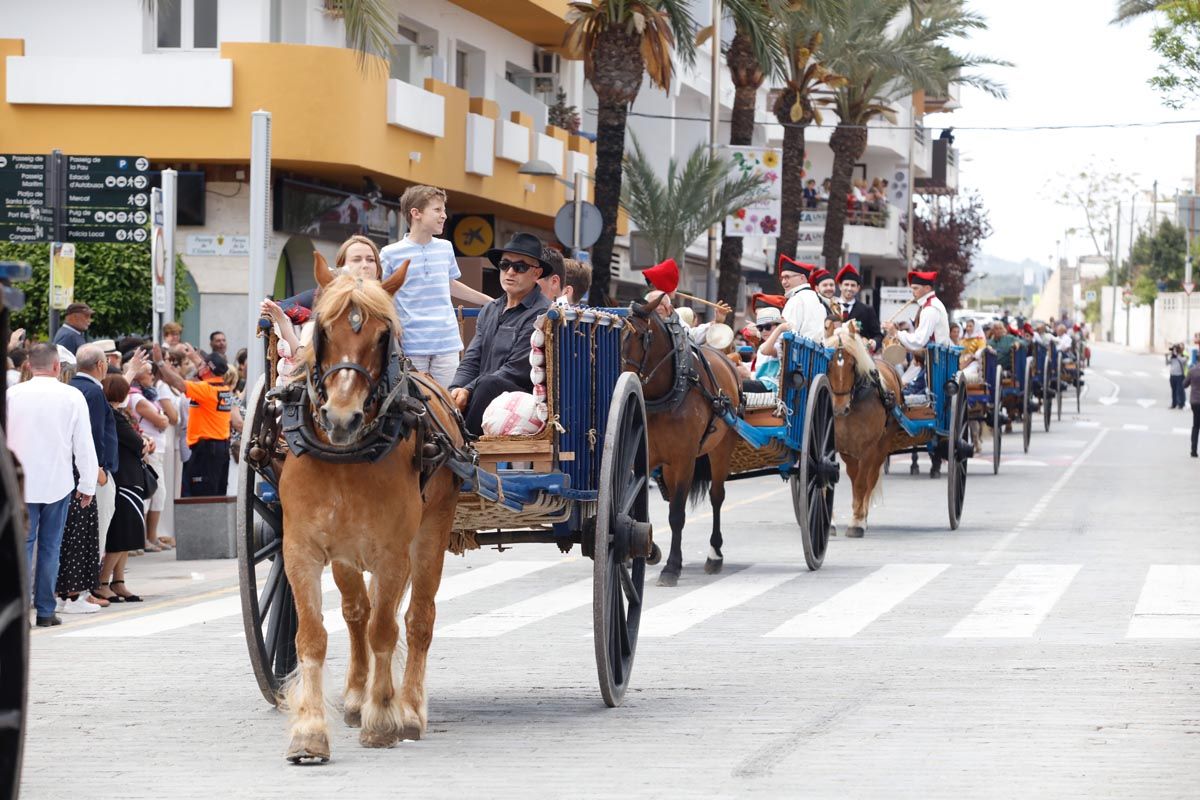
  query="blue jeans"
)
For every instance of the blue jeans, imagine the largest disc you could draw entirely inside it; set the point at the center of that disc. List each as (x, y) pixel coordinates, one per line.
(46, 523)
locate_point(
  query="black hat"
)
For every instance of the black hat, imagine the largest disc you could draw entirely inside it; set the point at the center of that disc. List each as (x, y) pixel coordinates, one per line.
(78, 308)
(216, 362)
(525, 244)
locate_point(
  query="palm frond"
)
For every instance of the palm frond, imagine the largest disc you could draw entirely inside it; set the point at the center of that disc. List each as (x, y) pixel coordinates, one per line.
(758, 19)
(368, 30)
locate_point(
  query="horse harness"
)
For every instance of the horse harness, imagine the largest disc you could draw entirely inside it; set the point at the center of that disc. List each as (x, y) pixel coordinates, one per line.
(400, 396)
(864, 385)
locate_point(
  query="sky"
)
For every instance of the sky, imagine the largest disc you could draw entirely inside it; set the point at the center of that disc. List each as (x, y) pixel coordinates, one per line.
(1070, 66)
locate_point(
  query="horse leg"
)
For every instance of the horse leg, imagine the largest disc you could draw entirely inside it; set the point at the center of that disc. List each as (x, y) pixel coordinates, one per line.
(718, 461)
(382, 720)
(678, 481)
(356, 608)
(870, 472)
(305, 696)
(853, 470)
(427, 556)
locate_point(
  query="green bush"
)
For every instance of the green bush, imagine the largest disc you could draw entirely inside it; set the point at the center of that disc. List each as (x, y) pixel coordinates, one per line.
(114, 279)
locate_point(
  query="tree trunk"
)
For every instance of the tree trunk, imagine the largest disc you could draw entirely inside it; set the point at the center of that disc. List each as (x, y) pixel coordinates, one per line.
(848, 144)
(747, 78)
(791, 185)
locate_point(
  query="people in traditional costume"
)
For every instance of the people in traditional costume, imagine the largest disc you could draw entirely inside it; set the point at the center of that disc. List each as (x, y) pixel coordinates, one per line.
(804, 312)
(850, 281)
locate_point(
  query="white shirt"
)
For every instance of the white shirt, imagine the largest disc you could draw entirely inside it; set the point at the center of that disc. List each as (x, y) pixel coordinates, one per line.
(1065, 342)
(48, 423)
(934, 326)
(805, 313)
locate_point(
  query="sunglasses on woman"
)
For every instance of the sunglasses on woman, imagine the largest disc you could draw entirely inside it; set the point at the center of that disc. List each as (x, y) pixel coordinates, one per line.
(767, 327)
(519, 267)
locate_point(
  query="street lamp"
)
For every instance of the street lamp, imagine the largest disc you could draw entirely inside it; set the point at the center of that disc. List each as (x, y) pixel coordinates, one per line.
(544, 169)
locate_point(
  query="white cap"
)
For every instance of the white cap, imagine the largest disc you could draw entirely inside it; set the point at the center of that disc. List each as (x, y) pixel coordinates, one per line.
(65, 356)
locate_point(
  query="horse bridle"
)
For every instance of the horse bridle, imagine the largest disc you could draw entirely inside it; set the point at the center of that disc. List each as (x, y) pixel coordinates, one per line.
(840, 355)
(380, 390)
(647, 338)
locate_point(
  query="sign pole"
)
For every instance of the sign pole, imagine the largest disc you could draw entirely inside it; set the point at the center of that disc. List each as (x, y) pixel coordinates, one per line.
(577, 203)
(56, 180)
(260, 234)
(1188, 288)
(170, 204)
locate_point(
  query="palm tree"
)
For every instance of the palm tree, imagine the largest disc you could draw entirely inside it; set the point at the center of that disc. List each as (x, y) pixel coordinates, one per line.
(753, 55)
(882, 60)
(797, 106)
(1128, 9)
(700, 193)
(620, 41)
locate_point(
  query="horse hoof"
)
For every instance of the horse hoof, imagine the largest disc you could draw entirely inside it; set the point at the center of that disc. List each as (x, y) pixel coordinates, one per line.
(411, 733)
(378, 739)
(833, 530)
(855, 532)
(713, 566)
(306, 747)
(914, 470)
(353, 718)
(668, 578)
(655, 555)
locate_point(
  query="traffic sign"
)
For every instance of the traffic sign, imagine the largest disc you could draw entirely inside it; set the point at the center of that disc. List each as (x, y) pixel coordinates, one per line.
(1090, 295)
(24, 232)
(591, 223)
(1189, 287)
(1126, 296)
(127, 235)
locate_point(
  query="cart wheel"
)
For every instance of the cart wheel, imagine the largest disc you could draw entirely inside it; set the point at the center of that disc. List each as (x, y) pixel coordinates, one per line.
(812, 488)
(957, 453)
(996, 436)
(1079, 389)
(1027, 404)
(623, 539)
(269, 616)
(1047, 406)
(14, 625)
(1058, 390)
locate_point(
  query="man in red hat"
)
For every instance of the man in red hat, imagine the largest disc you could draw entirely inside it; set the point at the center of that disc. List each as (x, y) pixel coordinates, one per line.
(803, 312)
(933, 323)
(850, 282)
(822, 280)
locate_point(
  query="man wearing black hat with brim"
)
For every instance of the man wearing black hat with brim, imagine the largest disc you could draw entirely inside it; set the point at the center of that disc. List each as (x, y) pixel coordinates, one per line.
(76, 320)
(206, 472)
(497, 360)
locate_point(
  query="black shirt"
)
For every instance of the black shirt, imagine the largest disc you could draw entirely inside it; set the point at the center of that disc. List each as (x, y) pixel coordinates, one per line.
(501, 343)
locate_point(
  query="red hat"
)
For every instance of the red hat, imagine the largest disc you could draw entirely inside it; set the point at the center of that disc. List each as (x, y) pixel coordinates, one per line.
(819, 274)
(777, 300)
(849, 273)
(664, 276)
(791, 265)
(922, 278)
(1027, 327)
(1075, 327)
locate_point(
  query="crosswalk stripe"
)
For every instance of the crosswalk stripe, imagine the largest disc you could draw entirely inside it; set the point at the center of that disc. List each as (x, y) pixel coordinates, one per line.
(857, 606)
(1141, 374)
(1016, 607)
(1131, 427)
(455, 586)
(676, 616)
(1113, 372)
(1169, 606)
(1181, 431)
(518, 615)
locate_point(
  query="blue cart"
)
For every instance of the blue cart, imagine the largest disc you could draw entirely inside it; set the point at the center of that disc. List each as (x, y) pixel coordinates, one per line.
(583, 480)
(1046, 365)
(791, 435)
(1004, 392)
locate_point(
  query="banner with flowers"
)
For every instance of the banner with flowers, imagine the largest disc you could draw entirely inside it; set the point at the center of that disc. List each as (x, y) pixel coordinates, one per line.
(761, 218)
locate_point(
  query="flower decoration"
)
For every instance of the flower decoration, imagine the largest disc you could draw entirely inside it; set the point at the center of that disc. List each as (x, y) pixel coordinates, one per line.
(768, 225)
(770, 160)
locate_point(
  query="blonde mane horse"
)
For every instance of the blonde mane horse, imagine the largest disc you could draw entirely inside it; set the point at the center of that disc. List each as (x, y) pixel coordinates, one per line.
(362, 516)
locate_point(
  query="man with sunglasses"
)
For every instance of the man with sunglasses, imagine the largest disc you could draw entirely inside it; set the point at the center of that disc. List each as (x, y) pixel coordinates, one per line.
(497, 360)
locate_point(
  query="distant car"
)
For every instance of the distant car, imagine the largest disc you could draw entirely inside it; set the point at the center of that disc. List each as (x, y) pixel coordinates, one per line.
(981, 317)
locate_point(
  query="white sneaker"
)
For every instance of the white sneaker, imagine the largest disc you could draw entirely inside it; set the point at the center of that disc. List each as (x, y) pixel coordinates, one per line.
(79, 605)
(58, 605)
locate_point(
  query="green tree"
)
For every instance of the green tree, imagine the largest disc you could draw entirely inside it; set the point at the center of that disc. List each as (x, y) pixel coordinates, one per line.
(114, 279)
(620, 43)
(884, 54)
(701, 192)
(1160, 258)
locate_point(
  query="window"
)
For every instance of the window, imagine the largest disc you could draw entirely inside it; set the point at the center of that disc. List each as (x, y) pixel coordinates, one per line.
(461, 69)
(186, 24)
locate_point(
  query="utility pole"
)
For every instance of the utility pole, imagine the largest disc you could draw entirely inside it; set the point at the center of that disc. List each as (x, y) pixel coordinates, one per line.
(1153, 214)
(1112, 331)
(714, 97)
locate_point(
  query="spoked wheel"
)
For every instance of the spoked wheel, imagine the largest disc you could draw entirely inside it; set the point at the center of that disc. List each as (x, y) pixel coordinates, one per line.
(1047, 408)
(1027, 404)
(812, 488)
(268, 611)
(1058, 390)
(957, 453)
(623, 539)
(996, 408)
(14, 625)
(1079, 388)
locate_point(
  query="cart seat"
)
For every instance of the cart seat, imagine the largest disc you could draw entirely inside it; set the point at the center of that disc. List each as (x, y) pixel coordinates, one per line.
(760, 399)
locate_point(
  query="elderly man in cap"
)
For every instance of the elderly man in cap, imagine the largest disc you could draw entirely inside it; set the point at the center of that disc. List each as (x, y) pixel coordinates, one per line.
(206, 472)
(76, 320)
(497, 360)
(804, 312)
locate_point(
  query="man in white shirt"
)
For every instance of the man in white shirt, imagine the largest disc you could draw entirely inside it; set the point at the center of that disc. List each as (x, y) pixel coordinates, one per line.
(804, 312)
(933, 323)
(47, 426)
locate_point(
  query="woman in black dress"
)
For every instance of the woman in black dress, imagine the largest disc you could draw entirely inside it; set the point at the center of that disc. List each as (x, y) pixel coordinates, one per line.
(127, 531)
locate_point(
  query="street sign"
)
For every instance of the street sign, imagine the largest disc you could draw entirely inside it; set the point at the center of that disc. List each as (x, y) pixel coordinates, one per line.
(1090, 296)
(591, 222)
(1126, 296)
(24, 193)
(1189, 287)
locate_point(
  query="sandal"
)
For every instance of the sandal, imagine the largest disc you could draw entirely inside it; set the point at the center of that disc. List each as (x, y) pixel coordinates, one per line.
(128, 598)
(152, 547)
(115, 598)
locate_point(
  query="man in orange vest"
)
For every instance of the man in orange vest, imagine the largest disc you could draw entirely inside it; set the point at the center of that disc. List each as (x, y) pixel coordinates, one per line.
(206, 472)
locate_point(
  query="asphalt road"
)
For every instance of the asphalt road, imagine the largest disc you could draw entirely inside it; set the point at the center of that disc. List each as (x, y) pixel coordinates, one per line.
(1047, 648)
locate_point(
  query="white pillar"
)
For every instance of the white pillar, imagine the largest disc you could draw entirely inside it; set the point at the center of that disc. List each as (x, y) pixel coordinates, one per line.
(260, 235)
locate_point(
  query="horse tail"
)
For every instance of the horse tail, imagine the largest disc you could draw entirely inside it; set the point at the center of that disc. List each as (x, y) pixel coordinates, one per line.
(701, 480)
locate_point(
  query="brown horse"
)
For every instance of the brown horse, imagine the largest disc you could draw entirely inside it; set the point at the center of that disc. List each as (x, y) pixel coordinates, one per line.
(363, 516)
(687, 439)
(864, 428)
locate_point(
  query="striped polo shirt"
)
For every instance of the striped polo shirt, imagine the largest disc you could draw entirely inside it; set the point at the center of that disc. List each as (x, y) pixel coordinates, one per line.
(426, 311)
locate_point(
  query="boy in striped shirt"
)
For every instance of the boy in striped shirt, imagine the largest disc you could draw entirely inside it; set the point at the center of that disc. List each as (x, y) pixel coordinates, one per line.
(430, 329)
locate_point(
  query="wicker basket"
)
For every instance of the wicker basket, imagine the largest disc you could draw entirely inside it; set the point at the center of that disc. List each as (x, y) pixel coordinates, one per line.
(747, 458)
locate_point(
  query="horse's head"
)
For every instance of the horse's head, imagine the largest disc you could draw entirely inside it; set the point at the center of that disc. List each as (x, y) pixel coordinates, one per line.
(851, 363)
(647, 342)
(356, 333)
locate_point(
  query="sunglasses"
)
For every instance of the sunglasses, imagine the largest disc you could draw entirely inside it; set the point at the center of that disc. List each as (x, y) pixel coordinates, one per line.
(519, 267)
(768, 326)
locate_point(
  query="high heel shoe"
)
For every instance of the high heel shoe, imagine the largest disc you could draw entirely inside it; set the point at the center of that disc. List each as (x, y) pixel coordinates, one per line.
(128, 598)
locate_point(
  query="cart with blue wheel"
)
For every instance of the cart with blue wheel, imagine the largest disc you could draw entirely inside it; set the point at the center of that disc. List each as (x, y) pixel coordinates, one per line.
(1045, 378)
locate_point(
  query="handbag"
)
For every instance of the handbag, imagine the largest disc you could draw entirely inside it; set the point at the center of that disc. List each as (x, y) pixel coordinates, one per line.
(150, 480)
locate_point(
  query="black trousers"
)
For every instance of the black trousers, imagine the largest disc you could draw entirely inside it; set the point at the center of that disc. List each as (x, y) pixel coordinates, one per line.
(1177, 399)
(1195, 424)
(206, 473)
(487, 389)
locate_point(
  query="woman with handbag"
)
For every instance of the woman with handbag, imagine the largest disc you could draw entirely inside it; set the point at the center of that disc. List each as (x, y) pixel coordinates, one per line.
(127, 531)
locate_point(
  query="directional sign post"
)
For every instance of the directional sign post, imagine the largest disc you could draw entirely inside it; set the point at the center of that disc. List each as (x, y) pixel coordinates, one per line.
(25, 215)
(107, 199)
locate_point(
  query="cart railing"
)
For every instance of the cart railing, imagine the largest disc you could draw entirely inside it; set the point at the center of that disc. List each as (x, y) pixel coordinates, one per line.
(941, 361)
(803, 361)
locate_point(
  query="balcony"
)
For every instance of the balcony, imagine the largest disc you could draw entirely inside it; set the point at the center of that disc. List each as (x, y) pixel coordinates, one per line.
(868, 233)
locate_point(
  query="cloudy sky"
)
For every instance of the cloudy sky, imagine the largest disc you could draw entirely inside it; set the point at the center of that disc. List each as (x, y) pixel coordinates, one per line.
(1070, 67)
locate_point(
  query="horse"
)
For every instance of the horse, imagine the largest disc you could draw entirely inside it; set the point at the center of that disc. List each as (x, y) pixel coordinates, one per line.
(864, 429)
(687, 437)
(378, 516)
